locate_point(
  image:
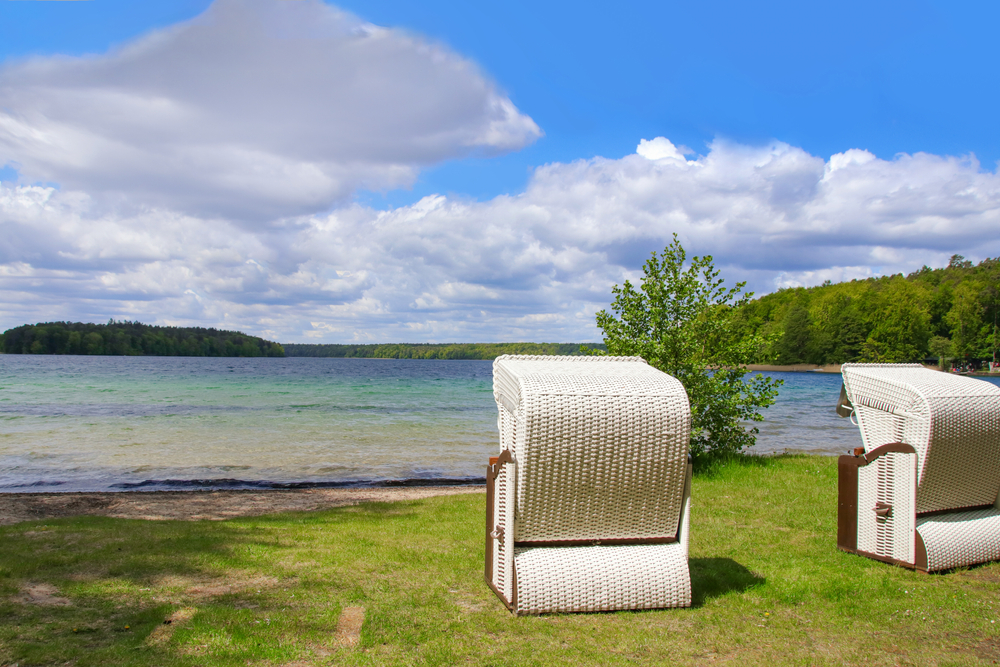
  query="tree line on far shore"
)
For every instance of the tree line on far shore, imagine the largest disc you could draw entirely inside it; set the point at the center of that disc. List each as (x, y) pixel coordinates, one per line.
(943, 314)
(133, 338)
(947, 314)
(432, 351)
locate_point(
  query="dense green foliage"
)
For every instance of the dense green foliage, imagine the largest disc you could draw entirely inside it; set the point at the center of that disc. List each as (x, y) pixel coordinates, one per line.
(949, 313)
(134, 338)
(681, 321)
(430, 351)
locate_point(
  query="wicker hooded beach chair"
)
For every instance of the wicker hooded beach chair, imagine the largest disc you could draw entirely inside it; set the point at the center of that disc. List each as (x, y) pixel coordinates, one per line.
(587, 504)
(923, 492)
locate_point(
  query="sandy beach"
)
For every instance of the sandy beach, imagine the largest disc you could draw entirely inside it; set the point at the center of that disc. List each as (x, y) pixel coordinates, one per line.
(203, 505)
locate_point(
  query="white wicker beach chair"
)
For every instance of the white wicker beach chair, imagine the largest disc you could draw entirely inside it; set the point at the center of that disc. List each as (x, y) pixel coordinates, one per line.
(923, 491)
(587, 504)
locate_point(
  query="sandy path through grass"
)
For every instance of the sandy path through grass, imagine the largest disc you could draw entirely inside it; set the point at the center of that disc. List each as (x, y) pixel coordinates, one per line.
(203, 505)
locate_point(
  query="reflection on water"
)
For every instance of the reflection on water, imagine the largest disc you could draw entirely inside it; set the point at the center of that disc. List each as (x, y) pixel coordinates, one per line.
(91, 423)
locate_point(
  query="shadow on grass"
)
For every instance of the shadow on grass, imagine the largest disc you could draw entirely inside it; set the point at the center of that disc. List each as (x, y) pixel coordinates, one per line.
(124, 577)
(714, 577)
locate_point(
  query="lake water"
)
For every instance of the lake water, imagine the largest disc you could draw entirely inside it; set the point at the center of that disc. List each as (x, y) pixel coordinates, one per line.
(70, 423)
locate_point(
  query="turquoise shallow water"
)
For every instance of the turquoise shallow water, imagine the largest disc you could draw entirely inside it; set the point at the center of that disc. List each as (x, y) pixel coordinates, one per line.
(73, 423)
(97, 423)
(804, 417)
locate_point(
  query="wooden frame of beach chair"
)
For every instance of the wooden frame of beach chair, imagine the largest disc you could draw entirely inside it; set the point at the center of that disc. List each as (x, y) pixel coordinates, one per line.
(923, 491)
(587, 503)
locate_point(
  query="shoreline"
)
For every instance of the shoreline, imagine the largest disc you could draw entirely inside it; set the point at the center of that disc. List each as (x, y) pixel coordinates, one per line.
(201, 505)
(835, 368)
(231, 484)
(794, 368)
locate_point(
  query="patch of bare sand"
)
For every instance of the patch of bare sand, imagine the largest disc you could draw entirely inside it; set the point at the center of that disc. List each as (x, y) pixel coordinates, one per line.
(203, 505)
(161, 634)
(987, 572)
(44, 595)
(466, 602)
(349, 626)
(988, 650)
(201, 589)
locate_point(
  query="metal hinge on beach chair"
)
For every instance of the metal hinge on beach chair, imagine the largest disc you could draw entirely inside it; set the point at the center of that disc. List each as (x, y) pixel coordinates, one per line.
(587, 503)
(499, 525)
(923, 491)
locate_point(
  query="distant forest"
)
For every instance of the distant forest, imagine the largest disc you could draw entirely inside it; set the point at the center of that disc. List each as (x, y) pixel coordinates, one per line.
(133, 338)
(948, 314)
(433, 351)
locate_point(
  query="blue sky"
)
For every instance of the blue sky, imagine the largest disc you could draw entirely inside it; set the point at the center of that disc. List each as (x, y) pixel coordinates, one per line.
(496, 224)
(889, 77)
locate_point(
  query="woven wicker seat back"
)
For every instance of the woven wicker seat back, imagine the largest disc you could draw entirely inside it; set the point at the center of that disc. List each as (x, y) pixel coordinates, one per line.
(952, 422)
(601, 446)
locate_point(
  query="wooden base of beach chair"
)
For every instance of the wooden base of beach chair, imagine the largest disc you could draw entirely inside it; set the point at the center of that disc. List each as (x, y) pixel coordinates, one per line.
(876, 517)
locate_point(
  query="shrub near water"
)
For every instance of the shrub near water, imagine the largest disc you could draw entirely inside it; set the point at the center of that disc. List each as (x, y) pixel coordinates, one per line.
(769, 588)
(681, 320)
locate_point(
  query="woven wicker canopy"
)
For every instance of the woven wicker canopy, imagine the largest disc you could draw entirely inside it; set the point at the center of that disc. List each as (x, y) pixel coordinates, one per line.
(952, 422)
(924, 492)
(589, 495)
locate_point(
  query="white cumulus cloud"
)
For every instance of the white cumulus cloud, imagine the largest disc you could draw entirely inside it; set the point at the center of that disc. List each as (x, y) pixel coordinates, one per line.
(531, 266)
(659, 148)
(203, 176)
(254, 110)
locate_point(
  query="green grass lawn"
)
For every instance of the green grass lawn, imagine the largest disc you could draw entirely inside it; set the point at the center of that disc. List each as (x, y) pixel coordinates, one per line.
(769, 588)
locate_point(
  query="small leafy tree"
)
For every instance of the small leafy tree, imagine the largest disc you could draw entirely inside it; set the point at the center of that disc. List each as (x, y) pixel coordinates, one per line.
(681, 322)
